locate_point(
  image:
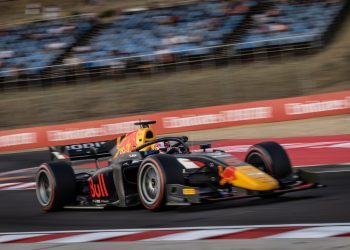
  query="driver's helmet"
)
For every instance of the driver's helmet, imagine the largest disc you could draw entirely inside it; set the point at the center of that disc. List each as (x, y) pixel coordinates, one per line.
(162, 146)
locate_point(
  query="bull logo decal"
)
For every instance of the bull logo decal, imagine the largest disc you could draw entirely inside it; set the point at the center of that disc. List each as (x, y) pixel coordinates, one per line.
(98, 190)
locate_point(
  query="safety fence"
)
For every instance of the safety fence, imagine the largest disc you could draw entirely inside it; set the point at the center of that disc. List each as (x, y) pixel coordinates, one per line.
(180, 120)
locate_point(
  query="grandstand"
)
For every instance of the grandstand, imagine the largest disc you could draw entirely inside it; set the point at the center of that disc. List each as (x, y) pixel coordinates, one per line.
(111, 70)
(154, 37)
(287, 23)
(31, 47)
(180, 31)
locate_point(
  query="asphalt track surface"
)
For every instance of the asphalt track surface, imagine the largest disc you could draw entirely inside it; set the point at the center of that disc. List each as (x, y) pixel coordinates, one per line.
(19, 210)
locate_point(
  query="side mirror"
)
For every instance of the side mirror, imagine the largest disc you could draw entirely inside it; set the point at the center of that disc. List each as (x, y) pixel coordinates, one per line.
(184, 138)
(205, 146)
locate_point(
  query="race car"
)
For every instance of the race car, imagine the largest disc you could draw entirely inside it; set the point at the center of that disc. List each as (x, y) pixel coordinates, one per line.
(140, 168)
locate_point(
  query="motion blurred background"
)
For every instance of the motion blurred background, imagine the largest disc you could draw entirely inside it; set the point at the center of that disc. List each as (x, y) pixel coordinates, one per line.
(63, 61)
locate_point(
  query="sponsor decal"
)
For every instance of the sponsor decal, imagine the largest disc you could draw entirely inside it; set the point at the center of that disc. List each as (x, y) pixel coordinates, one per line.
(317, 106)
(223, 116)
(187, 163)
(83, 146)
(98, 190)
(248, 114)
(189, 191)
(227, 174)
(18, 139)
(178, 121)
(100, 201)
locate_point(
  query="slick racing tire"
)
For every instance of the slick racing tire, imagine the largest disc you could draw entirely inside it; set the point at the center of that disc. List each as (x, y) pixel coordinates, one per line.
(271, 158)
(154, 174)
(55, 185)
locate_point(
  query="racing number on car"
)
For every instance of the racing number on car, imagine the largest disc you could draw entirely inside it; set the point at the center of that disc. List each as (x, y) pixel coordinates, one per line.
(99, 189)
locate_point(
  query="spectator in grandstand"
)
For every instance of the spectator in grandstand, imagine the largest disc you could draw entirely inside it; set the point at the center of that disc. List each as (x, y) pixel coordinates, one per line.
(235, 8)
(185, 30)
(164, 20)
(36, 45)
(291, 22)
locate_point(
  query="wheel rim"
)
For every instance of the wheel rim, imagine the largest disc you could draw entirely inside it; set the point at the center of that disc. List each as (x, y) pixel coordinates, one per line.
(257, 161)
(150, 184)
(43, 190)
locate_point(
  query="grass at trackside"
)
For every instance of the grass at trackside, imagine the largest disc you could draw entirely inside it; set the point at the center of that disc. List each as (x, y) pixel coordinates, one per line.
(325, 71)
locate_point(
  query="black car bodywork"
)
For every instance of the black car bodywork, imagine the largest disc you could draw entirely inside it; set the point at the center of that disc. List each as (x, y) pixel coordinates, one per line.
(158, 178)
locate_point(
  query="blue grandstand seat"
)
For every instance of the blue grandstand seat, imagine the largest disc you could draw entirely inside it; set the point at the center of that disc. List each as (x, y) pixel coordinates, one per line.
(29, 43)
(305, 22)
(175, 29)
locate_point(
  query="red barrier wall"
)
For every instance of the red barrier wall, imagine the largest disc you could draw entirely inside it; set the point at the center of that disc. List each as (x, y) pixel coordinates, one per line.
(180, 120)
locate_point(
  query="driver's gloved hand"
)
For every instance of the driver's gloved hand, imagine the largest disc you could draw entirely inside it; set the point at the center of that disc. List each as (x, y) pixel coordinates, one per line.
(162, 150)
(171, 150)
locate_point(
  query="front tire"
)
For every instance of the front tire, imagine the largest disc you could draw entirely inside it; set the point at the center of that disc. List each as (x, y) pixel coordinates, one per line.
(271, 158)
(55, 185)
(154, 174)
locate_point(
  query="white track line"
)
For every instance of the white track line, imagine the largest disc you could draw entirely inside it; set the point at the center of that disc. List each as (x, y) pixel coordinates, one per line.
(314, 232)
(3, 185)
(196, 235)
(23, 170)
(9, 237)
(22, 186)
(88, 237)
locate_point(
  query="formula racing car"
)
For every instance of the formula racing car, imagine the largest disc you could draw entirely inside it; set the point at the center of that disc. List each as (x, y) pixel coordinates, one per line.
(140, 168)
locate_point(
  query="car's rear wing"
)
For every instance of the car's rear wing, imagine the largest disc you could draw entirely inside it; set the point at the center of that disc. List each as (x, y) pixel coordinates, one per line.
(82, 151)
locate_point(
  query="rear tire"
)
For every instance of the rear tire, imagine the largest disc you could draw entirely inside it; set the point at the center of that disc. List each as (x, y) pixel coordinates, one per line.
(55, 185)
(154, 174)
